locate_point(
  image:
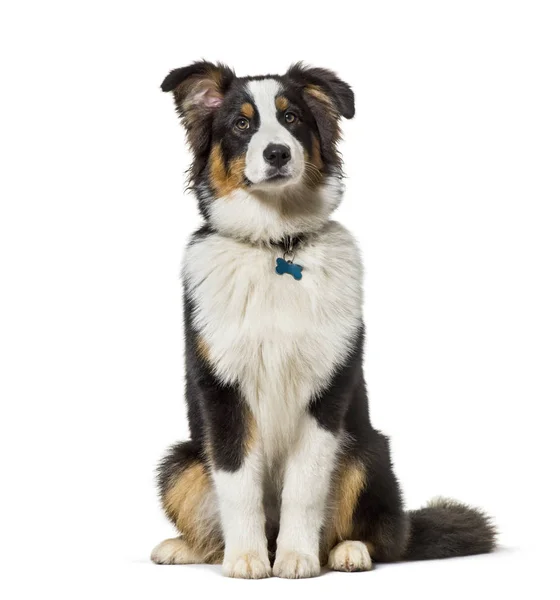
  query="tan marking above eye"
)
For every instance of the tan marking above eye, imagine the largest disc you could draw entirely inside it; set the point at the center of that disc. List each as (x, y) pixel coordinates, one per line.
(282, 103)
(247, 110)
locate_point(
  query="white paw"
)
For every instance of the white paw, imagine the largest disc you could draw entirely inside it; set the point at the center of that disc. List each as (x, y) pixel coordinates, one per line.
(350, 556)
(295, 565)
(247, 566)
(174, 552)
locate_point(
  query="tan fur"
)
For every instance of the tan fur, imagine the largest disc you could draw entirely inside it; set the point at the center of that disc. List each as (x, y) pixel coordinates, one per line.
(247, 110)
(314, 164)
(320, 94)
(347, 486)
(250, 432)
(202, 349)
(282, 103)
(316, 152)
(183, 502)
(351, 483)
(225, 180)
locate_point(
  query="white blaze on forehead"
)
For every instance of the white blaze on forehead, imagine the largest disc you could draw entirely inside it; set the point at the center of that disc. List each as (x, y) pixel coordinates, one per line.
(270, 131)
(264, 92)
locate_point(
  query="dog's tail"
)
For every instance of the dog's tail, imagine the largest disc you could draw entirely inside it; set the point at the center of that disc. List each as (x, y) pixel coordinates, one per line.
(446, 528)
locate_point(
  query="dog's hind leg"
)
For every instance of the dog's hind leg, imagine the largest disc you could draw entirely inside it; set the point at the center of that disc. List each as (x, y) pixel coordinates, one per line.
(189, 500)
(176, 551)
(368, 523)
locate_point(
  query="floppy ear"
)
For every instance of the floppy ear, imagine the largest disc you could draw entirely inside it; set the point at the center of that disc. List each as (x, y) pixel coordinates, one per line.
(328, 98)
(199, 91)
(325, 87)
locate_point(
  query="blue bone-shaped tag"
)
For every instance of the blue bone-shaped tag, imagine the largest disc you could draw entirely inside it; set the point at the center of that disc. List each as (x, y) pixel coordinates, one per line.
(285, 266)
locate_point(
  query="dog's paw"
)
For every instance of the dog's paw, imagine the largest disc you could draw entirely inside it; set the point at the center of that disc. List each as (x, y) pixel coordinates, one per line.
(174, 552)
(247, 566)
(350, 556)
(295, 565)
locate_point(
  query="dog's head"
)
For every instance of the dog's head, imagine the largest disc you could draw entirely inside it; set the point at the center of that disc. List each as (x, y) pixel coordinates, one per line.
(265, 158)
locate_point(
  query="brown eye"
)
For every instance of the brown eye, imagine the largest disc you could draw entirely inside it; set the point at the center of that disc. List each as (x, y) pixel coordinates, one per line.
(290, 118)
(242, 123)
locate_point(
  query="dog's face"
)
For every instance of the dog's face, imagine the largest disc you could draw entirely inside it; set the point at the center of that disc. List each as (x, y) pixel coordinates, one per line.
(268, 136)
(263, 144)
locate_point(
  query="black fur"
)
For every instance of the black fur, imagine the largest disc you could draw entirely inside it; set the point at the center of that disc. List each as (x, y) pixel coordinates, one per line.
(198, 119)
(446, 528)
(216, 411)
(331, 406)
(379, 516)
(178, 458)
(338, 90)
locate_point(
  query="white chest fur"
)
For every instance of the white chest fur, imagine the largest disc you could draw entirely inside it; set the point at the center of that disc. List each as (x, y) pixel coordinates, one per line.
(278, 338)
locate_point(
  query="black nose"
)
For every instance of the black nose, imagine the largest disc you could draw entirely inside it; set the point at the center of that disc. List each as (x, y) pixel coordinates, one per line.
(277, 155)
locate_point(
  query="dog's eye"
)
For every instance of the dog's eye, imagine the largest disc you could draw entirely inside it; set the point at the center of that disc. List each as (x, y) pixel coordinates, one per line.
(290, 118)
(242, 123)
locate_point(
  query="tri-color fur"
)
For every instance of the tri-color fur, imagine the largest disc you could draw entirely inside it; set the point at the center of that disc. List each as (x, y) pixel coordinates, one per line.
(284, 468)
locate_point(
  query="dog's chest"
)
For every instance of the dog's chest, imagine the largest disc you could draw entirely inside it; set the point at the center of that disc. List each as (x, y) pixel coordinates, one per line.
(278, 338)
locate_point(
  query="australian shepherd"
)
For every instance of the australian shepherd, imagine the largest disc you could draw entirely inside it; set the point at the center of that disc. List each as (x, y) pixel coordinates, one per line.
(284, 472)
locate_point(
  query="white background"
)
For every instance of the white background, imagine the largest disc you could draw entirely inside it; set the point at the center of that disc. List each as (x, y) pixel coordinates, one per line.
(453, 191)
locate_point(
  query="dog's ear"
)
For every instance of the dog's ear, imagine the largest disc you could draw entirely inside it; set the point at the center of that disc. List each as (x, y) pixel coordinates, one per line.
(329, 98)
(199, 91)
(325, 87)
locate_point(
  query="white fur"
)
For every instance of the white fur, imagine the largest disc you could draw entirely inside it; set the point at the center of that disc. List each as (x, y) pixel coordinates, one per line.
(175, 551)
(279, 339)
(270, 131)
(240, 497)
(258, 216)
(350, 556)
(306, 487)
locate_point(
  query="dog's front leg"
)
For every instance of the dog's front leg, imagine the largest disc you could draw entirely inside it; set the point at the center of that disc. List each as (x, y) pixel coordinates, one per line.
(237, 468)
(304, 497)
(240, 498)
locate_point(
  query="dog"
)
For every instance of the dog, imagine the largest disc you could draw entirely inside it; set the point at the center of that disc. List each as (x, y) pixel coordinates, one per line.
(284, 472)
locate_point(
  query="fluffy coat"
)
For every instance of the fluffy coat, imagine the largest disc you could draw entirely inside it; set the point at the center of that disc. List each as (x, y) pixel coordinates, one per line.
(284, 472)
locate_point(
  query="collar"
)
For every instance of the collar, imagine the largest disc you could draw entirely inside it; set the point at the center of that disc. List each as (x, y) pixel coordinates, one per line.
(290, 243)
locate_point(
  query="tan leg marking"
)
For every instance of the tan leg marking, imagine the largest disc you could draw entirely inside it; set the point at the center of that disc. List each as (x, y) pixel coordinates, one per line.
(188, 503)
(202, 348)
(348, 484)
(251, 434)
(351, 483)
